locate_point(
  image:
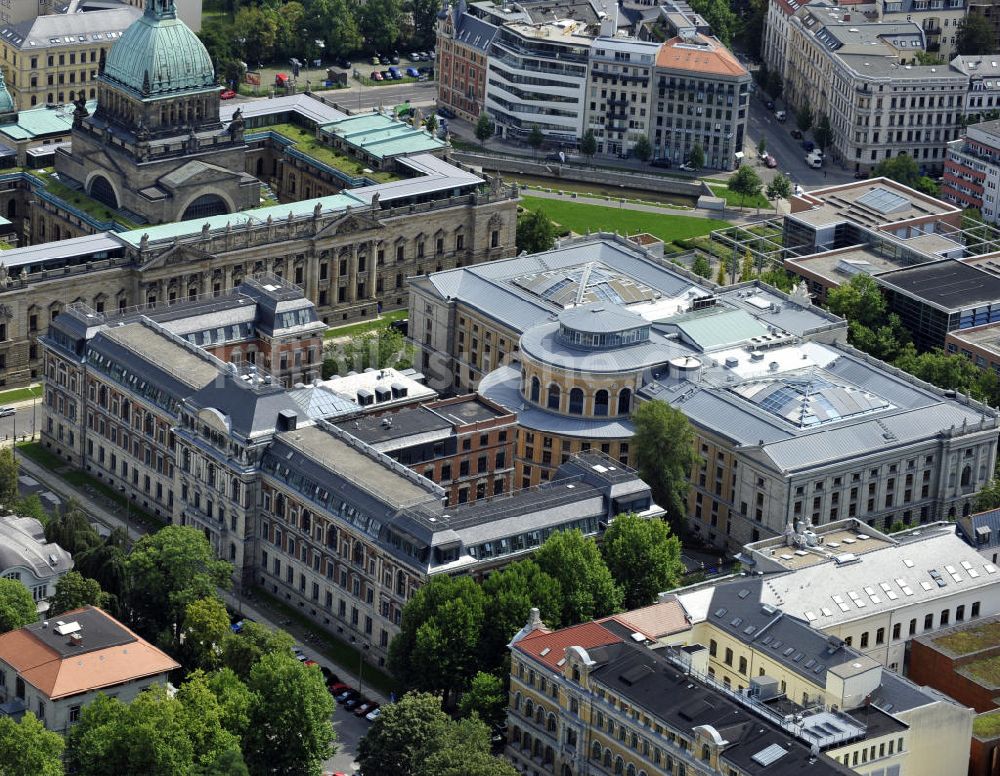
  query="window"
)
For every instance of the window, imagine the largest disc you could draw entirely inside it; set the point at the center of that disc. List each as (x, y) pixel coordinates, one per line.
(535, 389)
(624, 401)
(928, 622)
(864, 639)
(975, 609)
(743, 665)
(945, 616)
(960, 613)
(713, 647)
(601, 403)
(554, 396)
(896, 631)
(576, 401)
(729, 657)
(880, 636)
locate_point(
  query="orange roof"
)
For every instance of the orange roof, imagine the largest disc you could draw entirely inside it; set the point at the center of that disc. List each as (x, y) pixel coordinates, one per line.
(656, 621)
(586, 635)
(59, 676)
(704, 55)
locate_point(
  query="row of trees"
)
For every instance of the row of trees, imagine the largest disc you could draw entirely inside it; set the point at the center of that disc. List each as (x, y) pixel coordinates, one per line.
(454, 631)
(268, 31)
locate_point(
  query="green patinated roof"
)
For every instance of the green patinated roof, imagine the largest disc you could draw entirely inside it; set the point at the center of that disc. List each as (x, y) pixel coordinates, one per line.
(159, 55)
(42, 121)
(6, 101)
(381, 136)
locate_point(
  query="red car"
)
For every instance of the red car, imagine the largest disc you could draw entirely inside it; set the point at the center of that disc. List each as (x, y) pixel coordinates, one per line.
(338, 688)
(227, 94)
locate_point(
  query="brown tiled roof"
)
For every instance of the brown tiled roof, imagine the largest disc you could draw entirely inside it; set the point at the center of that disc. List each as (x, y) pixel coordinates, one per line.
(586, 635)
(60, 676)
(656, 621)
(701, 55)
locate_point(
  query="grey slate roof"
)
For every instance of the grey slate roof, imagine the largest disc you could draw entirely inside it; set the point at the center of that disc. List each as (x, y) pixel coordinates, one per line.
(251, 411)
(475, 32)
(100, 28)
(23, 545)
(982, 531)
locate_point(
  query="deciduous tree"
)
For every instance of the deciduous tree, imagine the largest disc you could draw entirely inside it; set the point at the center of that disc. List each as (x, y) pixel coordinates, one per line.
(701, 266)
(437, 648)
(823, 133)
(643, 148)
(588, 589)
(510, 595)
(484, 128)
(779, 188)
(535, 231)
(535, 138)
(241, 651)
(205, 628)
(380, 23)
(17, 607)
(168, 570)
(397, 742)
(588, 144)
(643, 556)
(804, 117)
(424, 21)
(664, 448)
(859, 300)
(290, 727)
(745, 182)
(975, 36)
(697, 156)
(486, 698)
(28, 749)
(9, 469)
(74, 590)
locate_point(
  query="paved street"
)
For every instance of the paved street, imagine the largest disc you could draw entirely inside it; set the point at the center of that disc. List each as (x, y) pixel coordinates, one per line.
(22, 423)
(786, 149)
(53, 489)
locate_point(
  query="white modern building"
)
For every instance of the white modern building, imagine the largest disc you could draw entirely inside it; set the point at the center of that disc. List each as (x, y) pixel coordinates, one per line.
(972, 170)
(26, 556)
(873, 590)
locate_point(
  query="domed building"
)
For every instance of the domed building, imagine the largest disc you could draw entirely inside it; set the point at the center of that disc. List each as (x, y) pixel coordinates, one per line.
(155, 147)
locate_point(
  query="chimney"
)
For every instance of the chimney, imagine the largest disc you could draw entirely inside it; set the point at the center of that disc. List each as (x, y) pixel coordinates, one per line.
(534, 619)
(287, 420)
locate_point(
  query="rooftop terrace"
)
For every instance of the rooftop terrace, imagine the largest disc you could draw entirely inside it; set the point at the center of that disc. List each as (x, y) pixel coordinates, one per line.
(962, 642)
(307, 142)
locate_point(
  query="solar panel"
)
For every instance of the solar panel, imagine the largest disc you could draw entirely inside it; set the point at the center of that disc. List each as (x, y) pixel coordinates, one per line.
(769, 754)
(720, 612)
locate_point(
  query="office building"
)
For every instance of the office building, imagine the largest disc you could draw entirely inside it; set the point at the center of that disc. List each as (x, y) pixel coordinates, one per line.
(56, 667)
(301, 507)
(55, 58)
(26, 556)
(972, 170)
(876, 592)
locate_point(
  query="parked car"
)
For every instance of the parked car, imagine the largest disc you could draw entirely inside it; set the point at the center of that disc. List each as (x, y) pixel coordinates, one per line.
(769, 105)
(780, 115)
(386, 75)
(376, 75)
(364, 708)
(808, 145)
(394, 73)
(374, 714)
(394, 59)
(310, 663)
(445, 112)
(665, 163)
(376, 60)
(352, 703)
(227, 94)
(860, 176)
(337, 688)
(771, 161)
(686, 166)
(347, 695)
(329, 676)
(413, 56)
(412, 72)
(797, 134)
(814, 160)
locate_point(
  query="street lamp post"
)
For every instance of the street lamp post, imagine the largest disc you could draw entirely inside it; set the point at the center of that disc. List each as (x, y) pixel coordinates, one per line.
(128, 515)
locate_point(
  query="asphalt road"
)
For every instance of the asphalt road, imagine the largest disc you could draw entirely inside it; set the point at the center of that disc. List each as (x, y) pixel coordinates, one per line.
(22, 422)
(786, 149)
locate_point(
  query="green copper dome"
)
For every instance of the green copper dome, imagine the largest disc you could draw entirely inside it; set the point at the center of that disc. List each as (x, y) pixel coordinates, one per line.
(6, 101)
(159, 55)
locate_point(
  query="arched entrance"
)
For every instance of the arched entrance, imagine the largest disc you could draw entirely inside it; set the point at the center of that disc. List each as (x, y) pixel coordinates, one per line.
(205, 206)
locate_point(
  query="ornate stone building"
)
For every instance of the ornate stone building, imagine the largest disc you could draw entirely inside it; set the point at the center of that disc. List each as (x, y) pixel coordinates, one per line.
(155, 146)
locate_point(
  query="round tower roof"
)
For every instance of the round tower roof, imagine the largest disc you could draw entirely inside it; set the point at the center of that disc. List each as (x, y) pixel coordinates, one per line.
(159, 55)
(6, 101)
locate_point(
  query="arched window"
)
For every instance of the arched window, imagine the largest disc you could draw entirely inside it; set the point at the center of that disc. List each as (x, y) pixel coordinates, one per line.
(624, 401)
(206, 205)
(359, 552)
(601, 403)
(515, 736)
(232, 551)
(331, 537)
(574, 706)
(526, 741)
(539, 715)
(706, 753)
(100, 189)
(607, 758)
(550, 723)
(517, 703)
(619, 766)
(536, 388)
(550, 756)
(966, 476)
(595, 750)
(630, 771)
(554, 396)
(576, 673)
(529, 708)
(400, 583)
(576, 401)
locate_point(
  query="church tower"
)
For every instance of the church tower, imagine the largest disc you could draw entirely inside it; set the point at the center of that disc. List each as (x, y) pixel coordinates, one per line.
(155, 146)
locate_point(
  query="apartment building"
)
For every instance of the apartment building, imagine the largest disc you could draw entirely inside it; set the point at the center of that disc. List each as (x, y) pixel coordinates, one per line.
(593, 699)
(619, 106)
(972, 170)
(817, 685)
(701, 98)
(874, 591)
(299, 506)
(55, 668)
(864, 77)
(56, 58)
(982, 531)
(463, 43)
(773, 50)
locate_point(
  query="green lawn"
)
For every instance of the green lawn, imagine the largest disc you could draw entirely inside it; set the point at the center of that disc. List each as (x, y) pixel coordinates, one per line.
(733, 199)
(19, 394)
(340, 652)
(305, 140)
(354, 329)
(581, 218)
(987, 670)
(85, 203)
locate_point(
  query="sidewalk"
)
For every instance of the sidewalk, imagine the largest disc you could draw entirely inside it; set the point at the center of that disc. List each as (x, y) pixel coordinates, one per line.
(257, 609)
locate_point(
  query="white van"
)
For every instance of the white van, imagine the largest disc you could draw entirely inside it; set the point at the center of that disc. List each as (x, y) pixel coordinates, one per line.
(814, 160)
(780, 115)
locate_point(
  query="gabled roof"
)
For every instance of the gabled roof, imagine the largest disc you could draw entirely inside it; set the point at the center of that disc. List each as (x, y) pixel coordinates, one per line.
(548, 647)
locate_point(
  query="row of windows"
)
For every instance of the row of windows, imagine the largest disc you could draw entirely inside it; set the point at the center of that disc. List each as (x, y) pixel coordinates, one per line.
(943, 620)
(601, 399)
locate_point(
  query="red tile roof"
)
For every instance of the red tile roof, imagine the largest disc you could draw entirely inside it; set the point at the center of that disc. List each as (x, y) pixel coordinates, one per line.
(702, 55)
(656, 621)
(586, 635)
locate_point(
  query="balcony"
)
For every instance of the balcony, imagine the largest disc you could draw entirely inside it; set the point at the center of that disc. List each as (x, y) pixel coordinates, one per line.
(932, 30)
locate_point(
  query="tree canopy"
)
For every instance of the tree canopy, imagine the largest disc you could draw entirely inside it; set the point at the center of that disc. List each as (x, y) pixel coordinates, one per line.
(643, 556)
(167, 571)
(588, 589)
(510, 595)
(484, 128)
(535, 231)
(643, 148)
(975, 36)
(28, 749)
(74, 590)
(664, 449)
(778, 188)
(378, 348)
(240, 651)
(804, 117)
(17, 607)
(486, 698)
(697, 156)
(588, 143)
(204, 630)
(437, 648)
(9, 468)
(290, 728)
(745, 182)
